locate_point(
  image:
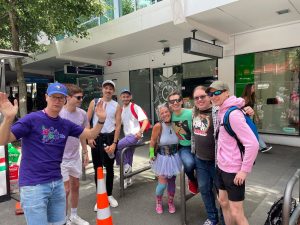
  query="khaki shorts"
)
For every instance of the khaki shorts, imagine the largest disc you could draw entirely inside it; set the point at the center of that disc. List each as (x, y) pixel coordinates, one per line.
(71, 168)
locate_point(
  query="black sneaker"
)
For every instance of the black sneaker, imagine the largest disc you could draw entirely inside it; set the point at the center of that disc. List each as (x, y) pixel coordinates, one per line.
(266, 149)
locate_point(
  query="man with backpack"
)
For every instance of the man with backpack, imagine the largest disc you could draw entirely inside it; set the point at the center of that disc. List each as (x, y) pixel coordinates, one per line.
(135, 123)
(232, 168)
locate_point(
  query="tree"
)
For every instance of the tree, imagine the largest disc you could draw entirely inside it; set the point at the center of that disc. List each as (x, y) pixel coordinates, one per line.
(23, 21)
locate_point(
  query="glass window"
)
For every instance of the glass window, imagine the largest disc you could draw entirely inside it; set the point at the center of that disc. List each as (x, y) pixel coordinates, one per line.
(276, 77)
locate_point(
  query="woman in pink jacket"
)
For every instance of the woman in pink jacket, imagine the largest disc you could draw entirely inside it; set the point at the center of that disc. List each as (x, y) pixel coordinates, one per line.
(232, 169)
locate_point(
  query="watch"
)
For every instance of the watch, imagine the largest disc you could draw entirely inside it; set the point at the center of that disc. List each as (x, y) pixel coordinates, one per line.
(100, 122)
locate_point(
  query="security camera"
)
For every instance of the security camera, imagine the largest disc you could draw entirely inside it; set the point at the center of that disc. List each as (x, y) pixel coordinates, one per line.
(166, 49)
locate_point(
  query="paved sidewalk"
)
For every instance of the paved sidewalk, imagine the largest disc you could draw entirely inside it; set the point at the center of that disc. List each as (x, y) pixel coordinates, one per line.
(266, 183)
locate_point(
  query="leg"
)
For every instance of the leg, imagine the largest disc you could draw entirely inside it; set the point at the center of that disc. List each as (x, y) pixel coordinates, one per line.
(187, 159)
(97, 156)
(74, 192)
(67, 190)
(224, 202)
(237, 212)
(171, 194)
(127, 141)
(34, 203)
(262, 144)
(57, 203)
(160, 188)
(205, 171)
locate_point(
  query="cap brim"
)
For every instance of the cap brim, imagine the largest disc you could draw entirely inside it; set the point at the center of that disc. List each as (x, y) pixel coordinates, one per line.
(128, 92)
(56, 92)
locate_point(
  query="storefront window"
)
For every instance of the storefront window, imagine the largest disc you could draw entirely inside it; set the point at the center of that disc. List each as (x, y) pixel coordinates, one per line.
(276, 77)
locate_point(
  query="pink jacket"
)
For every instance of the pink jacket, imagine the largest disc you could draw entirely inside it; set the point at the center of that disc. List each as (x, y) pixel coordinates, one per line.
(228, 153)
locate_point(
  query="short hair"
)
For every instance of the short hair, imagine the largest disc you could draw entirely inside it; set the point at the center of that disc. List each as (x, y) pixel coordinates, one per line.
(174, 93)
(163, 105)
(73, 89)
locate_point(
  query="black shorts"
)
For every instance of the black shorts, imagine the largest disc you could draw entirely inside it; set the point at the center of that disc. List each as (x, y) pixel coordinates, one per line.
(224, 181)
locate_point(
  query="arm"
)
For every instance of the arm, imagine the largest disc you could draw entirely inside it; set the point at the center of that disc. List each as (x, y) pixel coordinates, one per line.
(113, 146)
(89, 115)
(143, 127)
(9, 112)
(154, 138)
(93, 133)
(85, 155)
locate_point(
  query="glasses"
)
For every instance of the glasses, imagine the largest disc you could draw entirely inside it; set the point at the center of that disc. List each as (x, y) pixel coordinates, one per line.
(61, 99)
(78, 97)
(175, 100)
(201, 97)
(215, 93)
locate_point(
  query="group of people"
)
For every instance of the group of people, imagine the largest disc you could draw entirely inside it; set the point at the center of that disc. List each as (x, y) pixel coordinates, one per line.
(210, 156)
(195, 138)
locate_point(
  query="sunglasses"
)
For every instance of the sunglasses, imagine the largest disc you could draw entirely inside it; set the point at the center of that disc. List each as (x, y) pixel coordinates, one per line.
(79, 97)
(202, 97)
(175, 100)
(215, 93)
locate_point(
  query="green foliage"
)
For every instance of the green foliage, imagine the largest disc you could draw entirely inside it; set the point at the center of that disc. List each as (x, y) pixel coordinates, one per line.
(52, 17)
(127, 7)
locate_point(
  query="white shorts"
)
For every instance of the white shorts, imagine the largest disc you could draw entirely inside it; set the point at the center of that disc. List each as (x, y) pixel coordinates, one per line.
(71, 168)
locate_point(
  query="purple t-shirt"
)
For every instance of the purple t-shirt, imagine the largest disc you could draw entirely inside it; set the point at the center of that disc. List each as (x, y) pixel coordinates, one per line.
(43, 142)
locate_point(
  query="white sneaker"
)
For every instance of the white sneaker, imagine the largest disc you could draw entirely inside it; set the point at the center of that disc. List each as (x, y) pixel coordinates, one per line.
(127, 168)
(95, 208)
(69, 222)
(76, 220)
(127, 182)
(112, 201)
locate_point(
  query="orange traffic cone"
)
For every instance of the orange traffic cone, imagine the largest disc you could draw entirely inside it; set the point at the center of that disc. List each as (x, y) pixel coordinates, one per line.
(18, 209)
(103, 210)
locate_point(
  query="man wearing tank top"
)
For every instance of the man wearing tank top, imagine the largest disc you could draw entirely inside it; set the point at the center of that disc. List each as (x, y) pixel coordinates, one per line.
(104, 146)
(182, 125)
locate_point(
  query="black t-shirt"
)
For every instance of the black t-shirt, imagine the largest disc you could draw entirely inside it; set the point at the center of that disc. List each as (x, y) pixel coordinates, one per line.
(203, 132)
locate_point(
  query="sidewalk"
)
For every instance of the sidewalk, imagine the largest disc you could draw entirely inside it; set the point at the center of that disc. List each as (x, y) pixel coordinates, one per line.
(265, 184)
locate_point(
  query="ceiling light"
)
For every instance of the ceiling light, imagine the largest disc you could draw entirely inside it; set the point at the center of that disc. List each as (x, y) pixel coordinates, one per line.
(283, 11)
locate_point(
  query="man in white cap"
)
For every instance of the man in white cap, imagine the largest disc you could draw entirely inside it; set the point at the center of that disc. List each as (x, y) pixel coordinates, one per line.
(134, 122)
(44, 134)
(105, 145)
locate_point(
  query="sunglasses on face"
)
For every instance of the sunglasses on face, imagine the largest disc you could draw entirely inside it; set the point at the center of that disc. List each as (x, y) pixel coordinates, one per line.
(201, 97)
(215, 93)
(78, 97)
(175, 100)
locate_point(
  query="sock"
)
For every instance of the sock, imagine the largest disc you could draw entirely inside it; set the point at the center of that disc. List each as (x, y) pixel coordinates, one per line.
(73, 212)
(171, 185)
(160, 188)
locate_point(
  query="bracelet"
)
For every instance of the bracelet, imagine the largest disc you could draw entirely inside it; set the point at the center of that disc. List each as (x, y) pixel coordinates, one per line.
(100, 122)
(115, 142)
(151, 152)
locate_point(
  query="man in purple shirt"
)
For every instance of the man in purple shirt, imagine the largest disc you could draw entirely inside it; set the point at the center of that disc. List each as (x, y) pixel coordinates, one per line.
(44, 135)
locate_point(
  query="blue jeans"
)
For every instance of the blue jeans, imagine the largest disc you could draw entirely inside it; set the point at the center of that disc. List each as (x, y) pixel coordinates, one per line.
(187, 158)
(205, 170)
(44, 203)
(262, 144)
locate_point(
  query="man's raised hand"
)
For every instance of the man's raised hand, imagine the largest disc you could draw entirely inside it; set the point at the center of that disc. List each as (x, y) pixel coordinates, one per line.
(100, 111)
(7, 109)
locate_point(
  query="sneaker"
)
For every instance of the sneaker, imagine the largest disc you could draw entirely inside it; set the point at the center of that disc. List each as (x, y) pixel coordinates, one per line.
(69, 222)
(127, 182)
(127, 169)
(171, 206)
(193, 187)
(159, 208)
(76, 220)
(112, 201)
(266, 149)
(95, 208)
(209, 222)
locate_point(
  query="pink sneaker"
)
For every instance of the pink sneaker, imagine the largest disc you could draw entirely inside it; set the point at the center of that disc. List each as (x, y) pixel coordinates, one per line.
(159, 208)
(171, 206)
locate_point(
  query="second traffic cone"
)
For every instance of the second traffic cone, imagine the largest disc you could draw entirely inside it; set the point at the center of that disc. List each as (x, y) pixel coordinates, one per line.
(18, 209)
(103, 210)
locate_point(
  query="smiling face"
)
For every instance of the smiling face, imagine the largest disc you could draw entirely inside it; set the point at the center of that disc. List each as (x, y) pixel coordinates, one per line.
(201, 99)
(165, 114)
(125, 98)
(175, 102)
(218, 99)
(108, 91)
(75, 100)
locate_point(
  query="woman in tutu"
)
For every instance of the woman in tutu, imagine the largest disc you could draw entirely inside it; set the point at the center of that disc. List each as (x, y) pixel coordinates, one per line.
(167, 164)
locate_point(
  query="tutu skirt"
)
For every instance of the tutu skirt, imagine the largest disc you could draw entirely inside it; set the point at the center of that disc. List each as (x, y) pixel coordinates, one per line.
(167, 165)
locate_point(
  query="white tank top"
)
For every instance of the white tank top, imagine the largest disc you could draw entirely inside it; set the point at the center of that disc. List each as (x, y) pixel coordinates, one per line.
(168, 135)
(110, 121)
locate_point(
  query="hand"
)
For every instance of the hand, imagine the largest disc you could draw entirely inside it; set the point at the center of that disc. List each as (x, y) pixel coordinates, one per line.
(100, 111)
(92, 143)
(7, 109)
(240, 178)
(249, 111)
(86, 159)
(111, 148)
(138, 135)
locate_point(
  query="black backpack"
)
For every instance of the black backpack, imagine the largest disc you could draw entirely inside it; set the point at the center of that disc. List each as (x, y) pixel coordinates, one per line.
(275, 212)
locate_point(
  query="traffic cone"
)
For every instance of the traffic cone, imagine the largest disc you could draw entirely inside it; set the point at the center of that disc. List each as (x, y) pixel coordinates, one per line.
(103, 210)
(18, 209)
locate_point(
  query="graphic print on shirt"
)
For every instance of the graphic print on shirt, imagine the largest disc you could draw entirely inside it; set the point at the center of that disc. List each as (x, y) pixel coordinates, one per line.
(51, 135)
(201, 125)
(182, 130)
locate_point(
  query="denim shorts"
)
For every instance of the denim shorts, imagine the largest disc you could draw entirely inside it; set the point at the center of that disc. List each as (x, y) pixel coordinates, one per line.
(44, 204)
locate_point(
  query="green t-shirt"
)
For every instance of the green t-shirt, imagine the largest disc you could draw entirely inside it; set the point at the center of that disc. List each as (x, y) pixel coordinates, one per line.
(182, 125)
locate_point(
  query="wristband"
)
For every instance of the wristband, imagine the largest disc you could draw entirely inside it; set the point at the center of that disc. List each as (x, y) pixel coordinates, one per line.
(115, 142)
(151, 152)
(100, 122)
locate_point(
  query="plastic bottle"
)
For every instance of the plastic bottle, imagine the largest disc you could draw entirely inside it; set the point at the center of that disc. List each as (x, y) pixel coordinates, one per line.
(110, 155)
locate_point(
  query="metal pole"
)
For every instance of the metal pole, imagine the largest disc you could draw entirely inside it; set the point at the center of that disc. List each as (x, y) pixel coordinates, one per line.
(182, 198)
(2, 75)
(122, 172)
